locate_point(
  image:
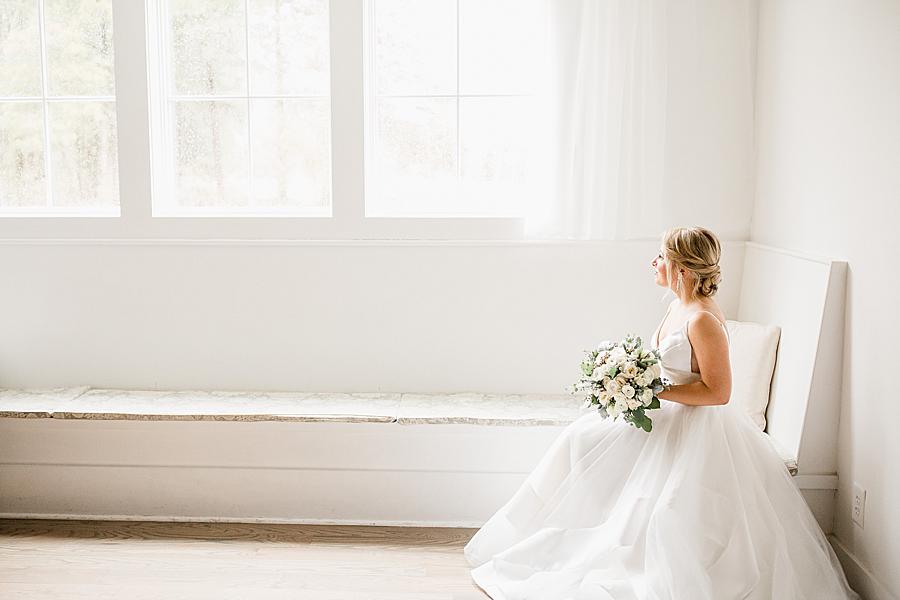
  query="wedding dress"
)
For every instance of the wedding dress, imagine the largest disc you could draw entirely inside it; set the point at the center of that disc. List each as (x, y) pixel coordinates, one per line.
(700, 508)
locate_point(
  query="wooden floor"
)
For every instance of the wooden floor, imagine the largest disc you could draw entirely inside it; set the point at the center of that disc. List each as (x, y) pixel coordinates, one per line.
(141, 560)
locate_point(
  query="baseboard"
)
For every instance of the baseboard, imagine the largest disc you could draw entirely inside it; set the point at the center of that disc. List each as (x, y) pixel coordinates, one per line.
(858, 575)
(217, 519)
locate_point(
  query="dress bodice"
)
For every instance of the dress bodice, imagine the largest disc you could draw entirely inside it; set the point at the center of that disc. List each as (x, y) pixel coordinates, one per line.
(675, 356)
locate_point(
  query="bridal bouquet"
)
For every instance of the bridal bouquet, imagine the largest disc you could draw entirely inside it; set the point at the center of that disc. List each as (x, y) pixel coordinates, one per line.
(621, 378)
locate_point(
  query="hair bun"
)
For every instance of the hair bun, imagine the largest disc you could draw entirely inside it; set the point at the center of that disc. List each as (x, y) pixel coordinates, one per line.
(709, 284)
(697, 250)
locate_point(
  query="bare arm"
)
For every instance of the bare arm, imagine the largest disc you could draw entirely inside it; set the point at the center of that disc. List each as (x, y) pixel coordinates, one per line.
(711, 350)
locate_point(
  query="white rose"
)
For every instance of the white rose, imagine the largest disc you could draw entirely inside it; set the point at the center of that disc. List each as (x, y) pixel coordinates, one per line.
(603, 398)
(628, 391)
(613, 386)
(633, 403)
(653, 371)
(617, 354)
(642, 380)
(621, 380)
(630, 370)
(597, 374)
(646, 396)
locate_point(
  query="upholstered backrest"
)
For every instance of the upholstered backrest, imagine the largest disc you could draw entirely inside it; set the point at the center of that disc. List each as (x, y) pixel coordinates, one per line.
(804, 297)
(753, 349)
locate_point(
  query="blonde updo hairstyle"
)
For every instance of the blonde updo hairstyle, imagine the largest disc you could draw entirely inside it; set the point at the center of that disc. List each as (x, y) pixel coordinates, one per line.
(696, 250)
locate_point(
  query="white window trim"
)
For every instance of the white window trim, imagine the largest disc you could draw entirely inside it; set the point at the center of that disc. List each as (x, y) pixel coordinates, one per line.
(348, 221)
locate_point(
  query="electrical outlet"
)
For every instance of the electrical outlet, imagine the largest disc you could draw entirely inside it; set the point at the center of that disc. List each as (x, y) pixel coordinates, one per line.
(858, 505)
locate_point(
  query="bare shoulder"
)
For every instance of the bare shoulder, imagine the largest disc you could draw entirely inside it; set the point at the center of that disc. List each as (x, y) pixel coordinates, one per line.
(706, 326)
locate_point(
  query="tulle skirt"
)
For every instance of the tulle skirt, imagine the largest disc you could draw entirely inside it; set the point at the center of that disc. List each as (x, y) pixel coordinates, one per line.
(701, 508)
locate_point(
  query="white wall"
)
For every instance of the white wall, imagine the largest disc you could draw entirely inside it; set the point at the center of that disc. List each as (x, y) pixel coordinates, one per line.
(364, 316)
(709, 128)
(828, 182)
(150, 311)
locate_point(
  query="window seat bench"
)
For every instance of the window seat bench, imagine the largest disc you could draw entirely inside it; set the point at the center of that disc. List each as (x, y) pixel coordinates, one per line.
(272, 457)
(351, 458)
(405, 409)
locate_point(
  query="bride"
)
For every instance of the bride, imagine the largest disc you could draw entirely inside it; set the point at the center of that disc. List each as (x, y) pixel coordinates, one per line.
(700, 508)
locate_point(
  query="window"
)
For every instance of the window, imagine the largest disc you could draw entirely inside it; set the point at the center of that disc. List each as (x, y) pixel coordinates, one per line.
(450, 104)
(58, 134)
(241, 103)
(293, 112)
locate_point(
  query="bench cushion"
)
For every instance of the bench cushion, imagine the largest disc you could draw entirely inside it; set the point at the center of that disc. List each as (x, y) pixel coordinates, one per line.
(753, 349)
(200, 405)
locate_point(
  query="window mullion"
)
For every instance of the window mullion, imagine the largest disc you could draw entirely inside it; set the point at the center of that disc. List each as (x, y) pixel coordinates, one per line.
(48, 164)
(458, 153)
(346, 37)
(250, 201)
(132, 113)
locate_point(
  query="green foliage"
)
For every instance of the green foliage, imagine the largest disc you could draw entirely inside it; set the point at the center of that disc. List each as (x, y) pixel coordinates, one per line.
(639, 419)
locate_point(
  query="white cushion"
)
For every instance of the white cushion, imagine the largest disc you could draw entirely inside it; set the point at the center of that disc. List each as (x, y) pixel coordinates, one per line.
(753, 348)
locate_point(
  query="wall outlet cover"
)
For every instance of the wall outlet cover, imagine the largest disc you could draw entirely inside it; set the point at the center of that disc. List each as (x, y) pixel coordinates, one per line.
(858, 505)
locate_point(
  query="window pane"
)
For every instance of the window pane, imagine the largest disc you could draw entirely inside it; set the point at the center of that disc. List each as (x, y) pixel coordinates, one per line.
(79, 47)
(208, 41)
(416, 155)
(20, 48)
(415, 47)
(76, 157)
(451, 138)
(289, 47)
(291, 152)
(242, 146)
(211, 159)
(496, 46)
(83, 153)
(22, 156)
(495, 165)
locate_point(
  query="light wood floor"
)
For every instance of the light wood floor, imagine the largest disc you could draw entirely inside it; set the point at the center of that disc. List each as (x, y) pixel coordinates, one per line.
(140, 560)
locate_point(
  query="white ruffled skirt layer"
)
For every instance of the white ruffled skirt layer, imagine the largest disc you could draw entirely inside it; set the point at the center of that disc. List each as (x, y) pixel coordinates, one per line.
(701, 508)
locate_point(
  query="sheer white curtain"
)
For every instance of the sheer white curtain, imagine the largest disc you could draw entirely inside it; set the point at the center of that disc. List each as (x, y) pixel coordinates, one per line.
(604, 101)
(647, 116)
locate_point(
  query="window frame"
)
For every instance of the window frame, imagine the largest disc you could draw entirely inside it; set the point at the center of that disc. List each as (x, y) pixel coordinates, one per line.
(48, 209)
(134, 108)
